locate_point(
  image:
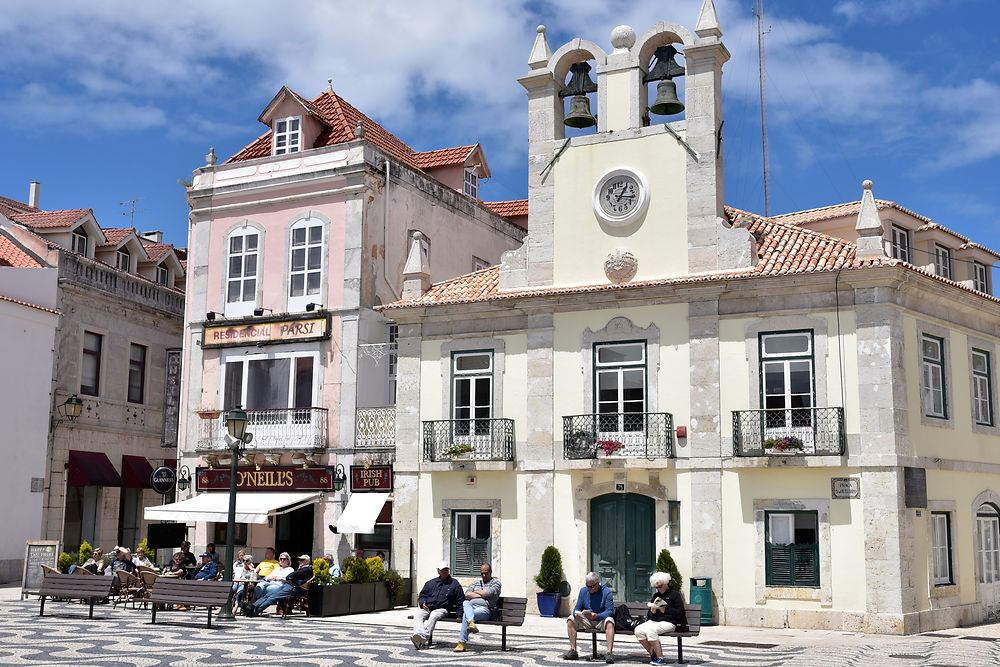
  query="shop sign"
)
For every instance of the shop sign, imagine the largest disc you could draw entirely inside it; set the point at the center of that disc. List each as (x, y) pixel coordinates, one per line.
(279, 331)
(845, 487)
(371, 478)
(163, 480)
(278, 478)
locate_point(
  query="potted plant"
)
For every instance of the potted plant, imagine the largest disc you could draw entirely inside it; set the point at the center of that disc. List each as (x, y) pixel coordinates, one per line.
(609, 447)
(665, 563)
(357, 577)
(788, 444)
(458, 450)
(325, 597)
(549, 578)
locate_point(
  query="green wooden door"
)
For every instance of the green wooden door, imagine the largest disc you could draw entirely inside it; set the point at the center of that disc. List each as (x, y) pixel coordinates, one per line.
(622, 543)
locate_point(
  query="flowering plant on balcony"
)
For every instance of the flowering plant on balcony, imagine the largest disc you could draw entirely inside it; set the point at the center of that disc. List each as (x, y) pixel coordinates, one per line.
(609, 446)
(789, 443)
(458, 450)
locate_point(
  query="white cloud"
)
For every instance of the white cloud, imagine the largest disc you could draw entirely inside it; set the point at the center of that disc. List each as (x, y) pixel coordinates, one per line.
(891, 11)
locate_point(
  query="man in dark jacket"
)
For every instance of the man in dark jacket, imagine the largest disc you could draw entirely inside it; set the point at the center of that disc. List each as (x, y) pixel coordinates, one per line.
(438, 598)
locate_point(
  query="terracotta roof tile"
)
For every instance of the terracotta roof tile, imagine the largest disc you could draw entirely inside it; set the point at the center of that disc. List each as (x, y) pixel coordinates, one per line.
(50, 219)
(12, 207)
(443, 157)
(508, 208)
(157, 251)
(29, 305)
(114, 235)
(12, 254)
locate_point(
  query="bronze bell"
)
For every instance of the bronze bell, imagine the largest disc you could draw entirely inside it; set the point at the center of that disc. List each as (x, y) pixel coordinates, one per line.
(579, 115)
(666, 103)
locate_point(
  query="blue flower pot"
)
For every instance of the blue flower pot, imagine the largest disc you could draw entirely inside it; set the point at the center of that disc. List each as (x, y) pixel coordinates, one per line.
(548, 604)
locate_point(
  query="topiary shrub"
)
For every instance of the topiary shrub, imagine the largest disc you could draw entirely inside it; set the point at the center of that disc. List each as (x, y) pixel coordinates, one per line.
(376, 569)
(86, 553)
(321, 572)
(550, 574)
(394, 582)
(65, 560)
(665, 563)
(355, 571)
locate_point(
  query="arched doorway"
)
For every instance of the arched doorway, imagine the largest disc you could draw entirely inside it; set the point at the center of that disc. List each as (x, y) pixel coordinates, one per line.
(988, 558)
(623, 543)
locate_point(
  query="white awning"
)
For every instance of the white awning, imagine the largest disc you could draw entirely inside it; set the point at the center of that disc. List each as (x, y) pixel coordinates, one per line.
(251, 507)
(361, 511)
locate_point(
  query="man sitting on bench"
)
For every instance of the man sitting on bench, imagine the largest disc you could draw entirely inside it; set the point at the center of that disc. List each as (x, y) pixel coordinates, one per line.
(439, 597)
(480, 604)
(595, 606)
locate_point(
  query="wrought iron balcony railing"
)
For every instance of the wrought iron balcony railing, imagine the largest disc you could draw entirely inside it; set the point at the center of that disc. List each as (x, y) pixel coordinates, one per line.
(286, 429)
(795, 431)
(647, 435)
(376, 428)
(469, 440)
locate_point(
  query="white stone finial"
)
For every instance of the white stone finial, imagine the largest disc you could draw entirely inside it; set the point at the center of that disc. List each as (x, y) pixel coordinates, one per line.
(708, 21)
(329, 85)
(540, 51)
(622, 38)
(359, 131)
(416, 272)
(210, 159)
(869, 226)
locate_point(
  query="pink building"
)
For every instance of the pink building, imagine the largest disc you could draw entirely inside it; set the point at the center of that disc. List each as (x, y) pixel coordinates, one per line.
(293, 241)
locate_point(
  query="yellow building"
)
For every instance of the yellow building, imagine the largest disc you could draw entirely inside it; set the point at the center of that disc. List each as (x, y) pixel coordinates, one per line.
(808, 420)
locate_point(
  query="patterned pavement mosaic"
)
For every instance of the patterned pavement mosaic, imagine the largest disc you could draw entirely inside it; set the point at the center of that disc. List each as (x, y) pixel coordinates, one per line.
(65, 636)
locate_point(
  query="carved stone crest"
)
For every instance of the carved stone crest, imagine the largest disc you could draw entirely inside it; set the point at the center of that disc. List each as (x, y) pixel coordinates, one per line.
(620, 266)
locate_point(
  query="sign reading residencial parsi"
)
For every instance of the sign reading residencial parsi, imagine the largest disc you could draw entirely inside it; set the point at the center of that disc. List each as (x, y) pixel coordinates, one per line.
(265, 332)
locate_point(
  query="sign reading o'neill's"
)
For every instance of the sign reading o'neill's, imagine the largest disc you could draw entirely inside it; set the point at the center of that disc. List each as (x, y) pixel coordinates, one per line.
(278, 478)
(266, 331)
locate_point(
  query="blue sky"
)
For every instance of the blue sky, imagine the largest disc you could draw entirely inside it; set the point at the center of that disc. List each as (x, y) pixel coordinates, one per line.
(114, 100)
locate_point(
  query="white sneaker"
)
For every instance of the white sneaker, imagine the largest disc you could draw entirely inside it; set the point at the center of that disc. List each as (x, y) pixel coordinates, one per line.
(419, 641)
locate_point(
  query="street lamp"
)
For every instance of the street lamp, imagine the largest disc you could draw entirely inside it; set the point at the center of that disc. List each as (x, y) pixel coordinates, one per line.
(184, 479)
(339, 477)
(236, 424)
(72, 408)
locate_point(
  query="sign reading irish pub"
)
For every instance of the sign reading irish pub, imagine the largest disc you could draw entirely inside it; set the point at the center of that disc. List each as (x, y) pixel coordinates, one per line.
(278, 478)
(263, 332)
(371, 478)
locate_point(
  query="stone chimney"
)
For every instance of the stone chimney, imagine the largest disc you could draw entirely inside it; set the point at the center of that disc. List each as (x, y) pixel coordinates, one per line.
(869, 227)
(154, 236)
(416, 272)
(33, 191)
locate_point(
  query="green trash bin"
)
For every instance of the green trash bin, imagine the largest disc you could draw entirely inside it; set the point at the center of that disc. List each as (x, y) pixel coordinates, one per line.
(701, 593)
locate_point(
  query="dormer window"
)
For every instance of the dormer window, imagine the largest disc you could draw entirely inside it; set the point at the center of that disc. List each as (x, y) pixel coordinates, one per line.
(123, 260)
(900, 243)
(470, 186)
(942, 261)
(981, 277)
(79, 244)
(287, 135)
(162, 275)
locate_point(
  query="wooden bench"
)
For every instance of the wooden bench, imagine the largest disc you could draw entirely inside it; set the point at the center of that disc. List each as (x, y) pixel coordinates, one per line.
(510, 612)
(639, 610)
(70, 587)
(202, 593)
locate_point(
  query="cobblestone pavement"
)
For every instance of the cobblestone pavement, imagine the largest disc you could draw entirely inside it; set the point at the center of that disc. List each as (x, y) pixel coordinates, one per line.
(64, 636)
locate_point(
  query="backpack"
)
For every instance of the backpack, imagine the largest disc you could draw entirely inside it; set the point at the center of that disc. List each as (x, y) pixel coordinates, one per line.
(624, 620)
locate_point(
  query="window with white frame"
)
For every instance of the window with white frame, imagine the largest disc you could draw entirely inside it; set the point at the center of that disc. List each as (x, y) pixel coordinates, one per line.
(471, 539)
(305, 263)
(988, 544)
(932, 350)
(941, 548)
(942, 261)
(900, 243)
(287, 135)
(982, 387)
(162, 275)
(123, 260)
(787, 383)
(472, 392)
(470, 185)
(981, 278)
(392, 338)
(281, 381)
(620, 396)
(479, 264)
(79, 241)
(791, 549)
(241, 271)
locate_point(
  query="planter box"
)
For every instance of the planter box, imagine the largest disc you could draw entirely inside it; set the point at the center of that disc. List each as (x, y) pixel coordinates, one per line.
(329, 600)
(362, 597)
(383, 600)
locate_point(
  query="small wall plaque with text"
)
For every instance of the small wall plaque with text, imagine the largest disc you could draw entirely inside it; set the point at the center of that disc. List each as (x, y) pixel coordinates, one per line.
(845, 487)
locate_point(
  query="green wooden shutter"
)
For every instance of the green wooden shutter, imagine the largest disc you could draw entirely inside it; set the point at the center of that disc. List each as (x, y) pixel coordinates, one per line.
(805, 564)
(778, 560)
(468, 554)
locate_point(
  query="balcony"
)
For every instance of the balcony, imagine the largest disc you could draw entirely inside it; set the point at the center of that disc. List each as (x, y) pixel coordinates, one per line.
(375, 429)
(281, 430)
(761, 432)
(469, 440)
(648, 435)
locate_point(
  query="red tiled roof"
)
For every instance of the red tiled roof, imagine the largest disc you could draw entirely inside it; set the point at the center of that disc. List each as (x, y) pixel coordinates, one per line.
(12, 254)
(114, 235)
(12, 207)
(157, 251)
(49, 219)
(340, 118)
(29, 305)
(443, 157)
(509, 208)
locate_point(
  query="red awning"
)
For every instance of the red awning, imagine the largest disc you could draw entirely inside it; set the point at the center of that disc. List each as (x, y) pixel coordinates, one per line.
(137, 472)
(91, 469)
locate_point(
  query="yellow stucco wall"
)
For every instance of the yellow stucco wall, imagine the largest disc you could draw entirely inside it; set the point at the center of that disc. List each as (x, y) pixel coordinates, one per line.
(617, 94)
(659, 241)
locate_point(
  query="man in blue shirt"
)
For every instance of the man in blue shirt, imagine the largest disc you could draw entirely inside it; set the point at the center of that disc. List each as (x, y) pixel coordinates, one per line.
(595, 606)
(208, 569)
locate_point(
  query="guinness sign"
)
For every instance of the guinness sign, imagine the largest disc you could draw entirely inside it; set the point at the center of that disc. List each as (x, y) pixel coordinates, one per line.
(163, 480)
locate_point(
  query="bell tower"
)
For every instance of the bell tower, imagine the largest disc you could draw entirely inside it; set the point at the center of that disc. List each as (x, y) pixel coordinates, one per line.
(635, 191)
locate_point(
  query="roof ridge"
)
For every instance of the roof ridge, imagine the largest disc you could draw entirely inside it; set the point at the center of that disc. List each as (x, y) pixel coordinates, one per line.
(791, 226)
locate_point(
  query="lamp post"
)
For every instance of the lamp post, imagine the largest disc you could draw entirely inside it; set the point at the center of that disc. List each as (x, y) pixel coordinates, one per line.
(236, 424)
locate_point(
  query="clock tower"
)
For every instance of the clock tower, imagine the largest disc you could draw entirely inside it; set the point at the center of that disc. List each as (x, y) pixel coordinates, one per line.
(635, 191)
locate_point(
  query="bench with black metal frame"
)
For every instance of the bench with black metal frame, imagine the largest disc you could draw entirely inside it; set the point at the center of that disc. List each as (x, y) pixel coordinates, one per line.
(639, 610)
(201, 593)
(70, 587)
(510, 612)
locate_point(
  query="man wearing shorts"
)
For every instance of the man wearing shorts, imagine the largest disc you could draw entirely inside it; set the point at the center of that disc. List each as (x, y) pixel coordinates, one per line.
(595, 606)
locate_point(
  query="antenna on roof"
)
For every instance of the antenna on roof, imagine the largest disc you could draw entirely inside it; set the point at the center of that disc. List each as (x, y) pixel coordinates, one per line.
(132, 210)
(759, 12)
(329, 85)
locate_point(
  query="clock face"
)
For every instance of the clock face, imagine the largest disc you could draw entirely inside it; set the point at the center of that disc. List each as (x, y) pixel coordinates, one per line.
(620, 195)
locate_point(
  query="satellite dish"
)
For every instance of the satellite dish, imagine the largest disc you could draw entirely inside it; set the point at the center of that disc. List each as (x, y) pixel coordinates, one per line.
(247, 438)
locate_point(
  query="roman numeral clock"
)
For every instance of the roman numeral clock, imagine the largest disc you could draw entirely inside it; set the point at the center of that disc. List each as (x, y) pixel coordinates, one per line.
(621, 197)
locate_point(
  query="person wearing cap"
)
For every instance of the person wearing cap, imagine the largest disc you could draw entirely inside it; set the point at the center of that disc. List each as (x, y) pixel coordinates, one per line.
(122, 561)
(189, 559)
(283, 589)
(208, 569)
(440, 597)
